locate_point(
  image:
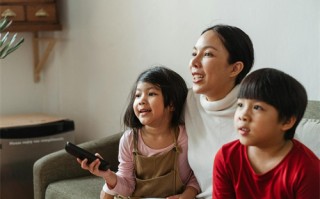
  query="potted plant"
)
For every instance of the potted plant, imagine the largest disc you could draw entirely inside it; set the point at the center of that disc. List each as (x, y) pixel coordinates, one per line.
(7, 45)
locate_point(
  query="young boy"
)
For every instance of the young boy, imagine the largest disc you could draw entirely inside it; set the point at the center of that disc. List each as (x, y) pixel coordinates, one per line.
(266, 162)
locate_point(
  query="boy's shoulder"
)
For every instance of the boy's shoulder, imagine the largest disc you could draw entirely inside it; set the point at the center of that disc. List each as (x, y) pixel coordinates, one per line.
(302, 151)
(232, 150)
(233, 145)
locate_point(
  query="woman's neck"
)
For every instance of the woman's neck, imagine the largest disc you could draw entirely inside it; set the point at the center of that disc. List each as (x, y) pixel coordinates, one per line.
(220, 94)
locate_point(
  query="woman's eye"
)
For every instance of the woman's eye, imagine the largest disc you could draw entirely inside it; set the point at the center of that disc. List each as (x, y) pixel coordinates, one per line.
(208, 54)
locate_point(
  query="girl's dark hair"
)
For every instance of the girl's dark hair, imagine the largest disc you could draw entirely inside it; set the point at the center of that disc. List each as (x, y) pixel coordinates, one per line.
(239, 46)
(173, 88)
(278, 89)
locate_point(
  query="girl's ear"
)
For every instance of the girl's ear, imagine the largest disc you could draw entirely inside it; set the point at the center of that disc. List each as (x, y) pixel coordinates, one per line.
(286, 125)
(236, 68)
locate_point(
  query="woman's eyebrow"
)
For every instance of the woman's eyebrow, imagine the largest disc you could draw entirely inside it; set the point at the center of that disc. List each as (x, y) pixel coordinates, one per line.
(206, 47)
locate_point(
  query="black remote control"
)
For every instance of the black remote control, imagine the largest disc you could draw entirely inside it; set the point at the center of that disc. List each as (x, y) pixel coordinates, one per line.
(82, 154)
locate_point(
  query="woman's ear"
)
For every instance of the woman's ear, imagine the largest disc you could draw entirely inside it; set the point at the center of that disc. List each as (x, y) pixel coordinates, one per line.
(288, 124)
(236, 68)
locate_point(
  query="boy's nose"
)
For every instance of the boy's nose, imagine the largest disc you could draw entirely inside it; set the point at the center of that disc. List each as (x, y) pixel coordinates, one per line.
(243, 116)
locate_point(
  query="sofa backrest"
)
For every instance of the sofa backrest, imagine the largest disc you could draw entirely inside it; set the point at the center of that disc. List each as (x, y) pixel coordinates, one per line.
(308, 130)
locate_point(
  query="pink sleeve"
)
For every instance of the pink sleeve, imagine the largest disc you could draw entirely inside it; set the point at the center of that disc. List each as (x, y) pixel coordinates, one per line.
(125, 175)
(186, 173)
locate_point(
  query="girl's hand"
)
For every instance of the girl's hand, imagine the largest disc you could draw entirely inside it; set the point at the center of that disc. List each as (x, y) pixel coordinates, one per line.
(109, 176)
(173, 197)
(189, 193)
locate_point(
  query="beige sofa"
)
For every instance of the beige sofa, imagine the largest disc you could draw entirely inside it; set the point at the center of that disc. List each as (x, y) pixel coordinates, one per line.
(58, 175)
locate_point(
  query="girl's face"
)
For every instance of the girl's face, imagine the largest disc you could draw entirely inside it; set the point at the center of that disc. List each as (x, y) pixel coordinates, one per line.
(149, 107)
(212, 75)
(258, 124)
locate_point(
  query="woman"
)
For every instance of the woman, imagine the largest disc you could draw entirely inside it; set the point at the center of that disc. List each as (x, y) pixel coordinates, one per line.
(222, 57)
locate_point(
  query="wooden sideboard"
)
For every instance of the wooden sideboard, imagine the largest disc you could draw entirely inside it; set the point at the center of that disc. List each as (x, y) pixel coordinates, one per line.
(33, 16)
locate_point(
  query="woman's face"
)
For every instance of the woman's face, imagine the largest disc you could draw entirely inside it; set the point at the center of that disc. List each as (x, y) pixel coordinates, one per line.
(212, 75)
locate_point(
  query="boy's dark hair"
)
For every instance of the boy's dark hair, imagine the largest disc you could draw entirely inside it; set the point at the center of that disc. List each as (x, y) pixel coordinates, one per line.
(238, 45)
(173, 88)
(278, 89)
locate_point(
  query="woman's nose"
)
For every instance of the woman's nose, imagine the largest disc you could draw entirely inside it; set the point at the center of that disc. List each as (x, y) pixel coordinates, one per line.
(195, 61)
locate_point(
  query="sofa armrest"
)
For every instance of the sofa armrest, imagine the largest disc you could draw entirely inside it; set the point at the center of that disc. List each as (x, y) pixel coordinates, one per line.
(60, 165)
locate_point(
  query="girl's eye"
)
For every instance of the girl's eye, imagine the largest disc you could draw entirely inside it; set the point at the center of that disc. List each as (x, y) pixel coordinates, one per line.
(239, 104)
(194, 54)
(152, 94)
(137, 95)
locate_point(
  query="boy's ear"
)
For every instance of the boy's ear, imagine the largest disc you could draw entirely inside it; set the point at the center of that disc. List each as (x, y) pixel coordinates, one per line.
(286, 125)
(171, 107)
(236, 68)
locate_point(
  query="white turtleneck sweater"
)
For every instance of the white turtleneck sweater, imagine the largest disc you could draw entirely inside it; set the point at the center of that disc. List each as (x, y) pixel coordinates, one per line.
(209, 125)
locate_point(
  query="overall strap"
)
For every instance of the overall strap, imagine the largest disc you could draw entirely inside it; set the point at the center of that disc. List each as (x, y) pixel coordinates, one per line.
(177, 151)
(135, 146)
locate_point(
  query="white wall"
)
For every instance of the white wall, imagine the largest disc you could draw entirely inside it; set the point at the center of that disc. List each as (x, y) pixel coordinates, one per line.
(104, 45)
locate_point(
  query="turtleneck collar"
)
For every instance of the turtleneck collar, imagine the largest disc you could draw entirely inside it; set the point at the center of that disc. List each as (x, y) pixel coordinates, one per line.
(220, 105)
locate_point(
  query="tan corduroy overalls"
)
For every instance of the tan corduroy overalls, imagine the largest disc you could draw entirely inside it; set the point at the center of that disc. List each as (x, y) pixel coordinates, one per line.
(158, 175)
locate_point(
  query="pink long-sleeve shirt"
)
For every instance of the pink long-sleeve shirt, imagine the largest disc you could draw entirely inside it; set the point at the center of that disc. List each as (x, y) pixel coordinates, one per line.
(125, 175)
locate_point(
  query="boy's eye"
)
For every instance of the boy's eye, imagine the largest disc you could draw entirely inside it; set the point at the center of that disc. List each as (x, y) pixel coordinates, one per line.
(239, 104)
(257, 107)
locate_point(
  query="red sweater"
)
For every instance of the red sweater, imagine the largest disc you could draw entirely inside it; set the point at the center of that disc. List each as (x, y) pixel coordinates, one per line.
(296, 176)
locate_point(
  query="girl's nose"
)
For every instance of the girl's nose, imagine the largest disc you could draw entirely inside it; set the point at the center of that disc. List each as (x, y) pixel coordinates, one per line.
(142, 100)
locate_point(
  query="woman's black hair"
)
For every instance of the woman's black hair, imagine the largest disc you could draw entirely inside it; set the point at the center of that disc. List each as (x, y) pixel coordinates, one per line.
(173, 88)
(278, 89)
(239, 46)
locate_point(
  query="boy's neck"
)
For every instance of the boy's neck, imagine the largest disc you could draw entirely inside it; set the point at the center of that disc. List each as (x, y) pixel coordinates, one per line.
(264, 159)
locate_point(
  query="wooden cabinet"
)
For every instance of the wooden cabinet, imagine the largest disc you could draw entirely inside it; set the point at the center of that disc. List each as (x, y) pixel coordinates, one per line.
(31, 15)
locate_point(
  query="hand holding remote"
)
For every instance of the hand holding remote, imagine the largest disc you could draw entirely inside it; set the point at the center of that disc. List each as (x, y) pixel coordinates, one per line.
(82, 154)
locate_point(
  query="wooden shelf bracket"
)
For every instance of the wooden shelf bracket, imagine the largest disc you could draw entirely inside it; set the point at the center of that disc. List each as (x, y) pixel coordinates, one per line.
(39, 61)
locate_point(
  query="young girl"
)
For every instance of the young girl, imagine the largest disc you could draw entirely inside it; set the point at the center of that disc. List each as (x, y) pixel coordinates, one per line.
(266, 162)
(153, 152)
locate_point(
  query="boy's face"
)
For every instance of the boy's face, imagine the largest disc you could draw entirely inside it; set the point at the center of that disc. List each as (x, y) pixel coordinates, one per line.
(258, 123)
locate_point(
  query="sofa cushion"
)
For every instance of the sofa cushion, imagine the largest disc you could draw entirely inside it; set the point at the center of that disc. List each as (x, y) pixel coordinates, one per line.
(69, 189)
(308, 132)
